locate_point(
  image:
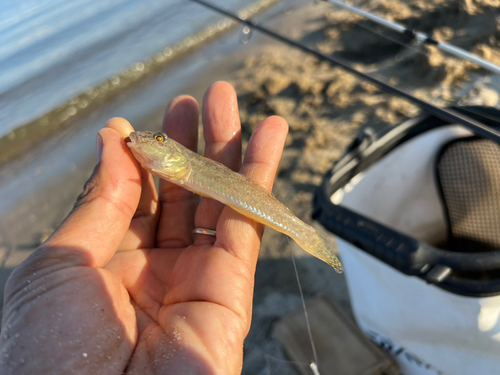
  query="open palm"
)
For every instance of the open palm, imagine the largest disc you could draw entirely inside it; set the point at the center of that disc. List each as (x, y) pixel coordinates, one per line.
(123, 285)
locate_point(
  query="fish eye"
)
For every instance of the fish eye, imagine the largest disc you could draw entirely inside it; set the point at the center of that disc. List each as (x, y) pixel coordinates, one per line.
(160, 137)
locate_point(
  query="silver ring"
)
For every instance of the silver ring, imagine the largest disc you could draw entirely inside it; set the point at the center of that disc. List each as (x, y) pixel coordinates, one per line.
(208, 232)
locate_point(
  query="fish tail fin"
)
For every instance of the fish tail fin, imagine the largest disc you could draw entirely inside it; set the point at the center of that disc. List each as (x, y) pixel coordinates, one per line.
(317, 246)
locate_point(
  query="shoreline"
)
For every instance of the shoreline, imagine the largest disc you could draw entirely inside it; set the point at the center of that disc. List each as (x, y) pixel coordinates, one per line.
(43, 183)
(324, 107)
(21, 138)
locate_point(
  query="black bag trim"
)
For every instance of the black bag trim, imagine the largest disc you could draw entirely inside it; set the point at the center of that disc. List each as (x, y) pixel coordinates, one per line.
(404, 253)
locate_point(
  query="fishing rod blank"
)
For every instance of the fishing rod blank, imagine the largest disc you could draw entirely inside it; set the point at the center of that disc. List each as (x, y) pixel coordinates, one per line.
(443, 113)
(421, 37)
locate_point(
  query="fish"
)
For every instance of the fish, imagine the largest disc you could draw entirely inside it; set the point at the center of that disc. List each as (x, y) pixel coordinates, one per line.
(167, 159)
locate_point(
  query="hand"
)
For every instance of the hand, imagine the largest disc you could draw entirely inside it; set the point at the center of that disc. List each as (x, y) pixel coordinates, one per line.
(123, 286)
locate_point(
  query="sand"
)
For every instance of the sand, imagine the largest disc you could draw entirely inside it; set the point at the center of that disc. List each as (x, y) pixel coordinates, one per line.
(324, 106)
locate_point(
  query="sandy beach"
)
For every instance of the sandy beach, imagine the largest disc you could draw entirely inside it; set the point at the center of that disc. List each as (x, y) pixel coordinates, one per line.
(324, 107)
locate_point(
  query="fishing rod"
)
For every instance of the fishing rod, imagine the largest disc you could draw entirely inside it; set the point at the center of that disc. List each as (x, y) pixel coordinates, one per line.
(421, 37)
(443, 113)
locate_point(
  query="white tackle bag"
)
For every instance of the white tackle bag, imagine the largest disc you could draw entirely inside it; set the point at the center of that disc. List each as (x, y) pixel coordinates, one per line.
(416, 212)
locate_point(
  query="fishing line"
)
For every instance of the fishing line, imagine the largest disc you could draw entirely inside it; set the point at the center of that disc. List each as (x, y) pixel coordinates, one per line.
(421, 37)
(394, 40)
(443, 113)
(411, 50)
(421, 40)
(309, 332)
(412, 47)
(314, 367)
(246, 32)
(417, 47)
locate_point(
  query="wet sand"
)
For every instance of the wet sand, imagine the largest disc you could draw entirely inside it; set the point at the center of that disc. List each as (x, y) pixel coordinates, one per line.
(324, 107)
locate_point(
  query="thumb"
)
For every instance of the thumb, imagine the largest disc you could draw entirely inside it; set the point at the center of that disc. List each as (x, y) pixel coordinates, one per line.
(94, 229)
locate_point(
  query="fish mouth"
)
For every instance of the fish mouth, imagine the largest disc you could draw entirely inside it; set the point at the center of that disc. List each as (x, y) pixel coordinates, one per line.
(134, 143)
(133, 138)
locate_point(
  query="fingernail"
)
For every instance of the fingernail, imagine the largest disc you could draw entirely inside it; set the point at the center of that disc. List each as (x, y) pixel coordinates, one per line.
(99, 147)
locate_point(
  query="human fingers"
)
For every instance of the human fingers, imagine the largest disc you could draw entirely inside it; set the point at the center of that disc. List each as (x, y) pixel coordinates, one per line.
(178, 206)
(96, 226)
(224, 274)
(235, 232)
(142, 230)
(222, 130)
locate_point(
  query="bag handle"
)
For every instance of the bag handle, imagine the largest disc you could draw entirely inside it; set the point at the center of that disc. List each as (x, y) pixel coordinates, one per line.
(406, 254)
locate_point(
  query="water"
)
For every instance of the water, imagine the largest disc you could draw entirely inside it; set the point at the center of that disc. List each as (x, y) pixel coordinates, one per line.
(52, 50)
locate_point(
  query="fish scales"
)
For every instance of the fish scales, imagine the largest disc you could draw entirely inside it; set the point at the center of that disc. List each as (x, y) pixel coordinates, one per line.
(173, 162)
(243, 195)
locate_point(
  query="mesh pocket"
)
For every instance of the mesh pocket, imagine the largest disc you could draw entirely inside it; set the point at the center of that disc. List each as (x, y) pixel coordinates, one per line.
(468, 172)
